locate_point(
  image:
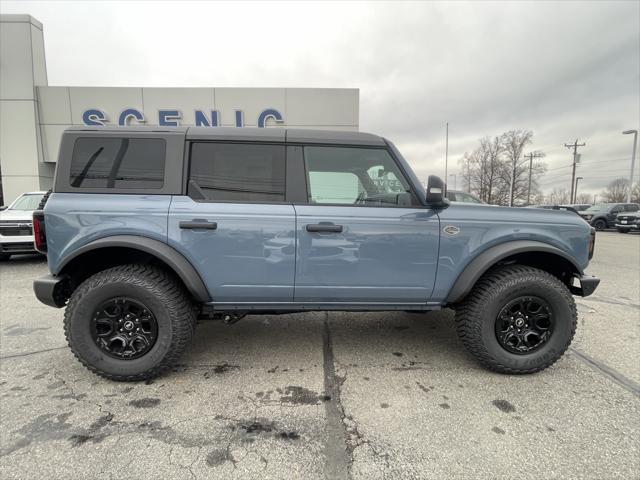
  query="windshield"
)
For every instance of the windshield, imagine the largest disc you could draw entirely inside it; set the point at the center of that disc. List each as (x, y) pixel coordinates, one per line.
(27, 202)
(601, 207)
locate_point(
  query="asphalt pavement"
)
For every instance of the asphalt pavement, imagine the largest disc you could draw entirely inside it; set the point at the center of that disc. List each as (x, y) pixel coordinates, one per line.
(317, 395)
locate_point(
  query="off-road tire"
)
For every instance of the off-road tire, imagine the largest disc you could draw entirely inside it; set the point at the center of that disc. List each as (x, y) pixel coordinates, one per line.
(476, 316)
(160, 292)
(599, 224)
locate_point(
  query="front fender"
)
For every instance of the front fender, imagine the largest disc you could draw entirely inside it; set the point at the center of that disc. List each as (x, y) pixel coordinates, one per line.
(479, 265)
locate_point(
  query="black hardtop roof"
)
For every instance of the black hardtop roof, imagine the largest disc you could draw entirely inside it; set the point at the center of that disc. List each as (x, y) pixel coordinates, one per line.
(252, 134)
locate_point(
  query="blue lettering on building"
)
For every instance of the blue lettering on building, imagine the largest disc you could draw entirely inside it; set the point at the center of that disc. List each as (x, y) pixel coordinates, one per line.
(239, 118)
(128, 113)
(172, 117)
(203, 121)
(267, 114)
(169, 118)
(94, 117)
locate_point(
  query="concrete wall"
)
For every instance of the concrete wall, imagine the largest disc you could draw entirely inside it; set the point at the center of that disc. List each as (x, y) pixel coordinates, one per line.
(22, 68)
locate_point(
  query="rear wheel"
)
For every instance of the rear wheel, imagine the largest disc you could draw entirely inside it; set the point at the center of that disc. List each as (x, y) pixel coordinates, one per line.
(130, 322)
(517, 319)
(599, 224)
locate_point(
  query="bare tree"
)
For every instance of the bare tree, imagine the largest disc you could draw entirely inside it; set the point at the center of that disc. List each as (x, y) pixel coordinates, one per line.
(616, 191)
(487, 170)
(491, 167)
(635, 193)
(514, 142)
(584, 198)
(538, 198)
(558, 196)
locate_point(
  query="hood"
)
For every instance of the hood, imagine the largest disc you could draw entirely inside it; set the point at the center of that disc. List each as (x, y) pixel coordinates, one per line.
(514, 215)
(629, 214)
(16, 215)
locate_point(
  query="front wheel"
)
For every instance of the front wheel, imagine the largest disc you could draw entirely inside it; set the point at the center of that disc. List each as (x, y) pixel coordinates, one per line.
(623, 230)
(599, 224)
(517, 319)
(130, 322)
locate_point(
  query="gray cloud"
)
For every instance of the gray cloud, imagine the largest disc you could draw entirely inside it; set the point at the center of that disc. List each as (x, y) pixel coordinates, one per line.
(563, 70)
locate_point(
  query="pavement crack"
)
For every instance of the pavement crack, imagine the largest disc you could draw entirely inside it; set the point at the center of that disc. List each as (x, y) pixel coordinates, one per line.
(608, 372)
(18, 355)
(610, 301)
(337, 457)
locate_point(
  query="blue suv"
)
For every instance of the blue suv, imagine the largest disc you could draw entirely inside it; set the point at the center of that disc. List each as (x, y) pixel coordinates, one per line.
(147, 230)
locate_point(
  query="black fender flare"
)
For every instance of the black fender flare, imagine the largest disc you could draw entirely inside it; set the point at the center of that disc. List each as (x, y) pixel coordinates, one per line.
(167, 254)
(479, 265)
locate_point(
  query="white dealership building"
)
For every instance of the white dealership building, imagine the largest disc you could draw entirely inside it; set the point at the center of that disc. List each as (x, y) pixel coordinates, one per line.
(33, 114)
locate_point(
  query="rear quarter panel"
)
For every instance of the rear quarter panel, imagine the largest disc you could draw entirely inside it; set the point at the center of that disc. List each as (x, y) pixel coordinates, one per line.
(484, 226)
(76, 219)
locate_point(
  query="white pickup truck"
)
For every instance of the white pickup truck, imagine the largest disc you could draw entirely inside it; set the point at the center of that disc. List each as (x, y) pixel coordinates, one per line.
(16, 225)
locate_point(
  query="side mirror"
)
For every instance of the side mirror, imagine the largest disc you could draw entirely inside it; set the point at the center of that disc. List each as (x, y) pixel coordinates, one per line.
(435, 192)
(3, 207)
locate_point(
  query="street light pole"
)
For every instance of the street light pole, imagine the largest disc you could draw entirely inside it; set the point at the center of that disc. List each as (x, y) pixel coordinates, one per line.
(633, 160)
(575, 190)
(446, 157)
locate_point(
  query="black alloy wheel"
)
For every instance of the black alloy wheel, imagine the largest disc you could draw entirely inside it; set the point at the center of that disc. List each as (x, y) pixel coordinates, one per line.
(524, 325)
(124, 328)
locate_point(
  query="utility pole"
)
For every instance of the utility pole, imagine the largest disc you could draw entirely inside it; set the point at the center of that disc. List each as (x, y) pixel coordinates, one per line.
(531, 156)
(446, 158)
(575, 146)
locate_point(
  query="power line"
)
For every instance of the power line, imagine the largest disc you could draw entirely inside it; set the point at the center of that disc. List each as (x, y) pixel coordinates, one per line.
(560, 180)
(612, 160)
(605, 161)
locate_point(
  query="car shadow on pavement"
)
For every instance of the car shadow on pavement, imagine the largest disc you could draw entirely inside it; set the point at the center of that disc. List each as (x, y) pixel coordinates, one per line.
(397, 339)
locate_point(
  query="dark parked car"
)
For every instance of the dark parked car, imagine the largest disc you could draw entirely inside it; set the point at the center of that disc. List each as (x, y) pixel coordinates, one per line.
(578, 207)
(460, 196)
(603, 215)
(625, 222)
(566, 208)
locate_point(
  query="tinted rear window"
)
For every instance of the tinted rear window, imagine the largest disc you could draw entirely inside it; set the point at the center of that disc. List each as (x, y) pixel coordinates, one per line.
(127, 163)
(237, 172)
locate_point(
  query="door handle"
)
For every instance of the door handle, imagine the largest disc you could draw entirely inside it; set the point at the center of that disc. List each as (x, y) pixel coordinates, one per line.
(324, 228)
(199, 225)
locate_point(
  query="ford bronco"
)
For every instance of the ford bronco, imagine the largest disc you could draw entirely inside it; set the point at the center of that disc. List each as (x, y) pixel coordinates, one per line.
(148, 229)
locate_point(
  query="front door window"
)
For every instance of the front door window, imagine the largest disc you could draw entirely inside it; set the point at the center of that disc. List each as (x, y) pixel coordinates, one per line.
(355, 176)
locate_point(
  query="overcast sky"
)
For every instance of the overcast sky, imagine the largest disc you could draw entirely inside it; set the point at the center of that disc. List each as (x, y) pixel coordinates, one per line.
(563, 70)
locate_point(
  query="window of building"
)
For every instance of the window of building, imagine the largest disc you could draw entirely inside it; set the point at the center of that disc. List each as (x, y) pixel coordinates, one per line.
(355, 176)
(127, 163)
(237, 172)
